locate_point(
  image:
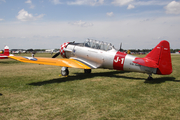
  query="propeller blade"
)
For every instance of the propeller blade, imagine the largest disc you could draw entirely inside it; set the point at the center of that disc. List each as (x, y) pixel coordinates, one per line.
(120, 49)
(121, 46)
(56, 55)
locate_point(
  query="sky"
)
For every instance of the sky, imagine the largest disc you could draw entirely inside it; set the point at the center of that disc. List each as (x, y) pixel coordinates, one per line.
(46, 24)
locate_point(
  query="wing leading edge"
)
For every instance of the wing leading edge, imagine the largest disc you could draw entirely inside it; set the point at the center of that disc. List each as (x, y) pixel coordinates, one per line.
(64, 62)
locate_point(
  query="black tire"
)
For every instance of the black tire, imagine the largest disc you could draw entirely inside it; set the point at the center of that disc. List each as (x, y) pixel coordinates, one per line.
(87, 70)
(65, 72)
(150, 78)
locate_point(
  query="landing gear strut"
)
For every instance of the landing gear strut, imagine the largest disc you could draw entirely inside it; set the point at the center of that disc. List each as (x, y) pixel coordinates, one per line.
(87, 70)
(64, 71)
(150, 77)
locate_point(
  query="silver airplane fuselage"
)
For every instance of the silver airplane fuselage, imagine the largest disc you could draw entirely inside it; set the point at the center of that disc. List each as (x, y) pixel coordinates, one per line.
(110, 58)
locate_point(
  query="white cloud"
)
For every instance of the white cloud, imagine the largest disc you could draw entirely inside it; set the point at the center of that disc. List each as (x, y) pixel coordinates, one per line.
(173, 8)
(1, 19)
(81, 24)
(150, 2)
(77, 2)
(30, 3)
(25, 16)
(130, 6)
(139, 33)
(139, 2)
(109, 14)
(55, 2)
(101, 2)
(121, 2)
(87, 2)
(2, 1)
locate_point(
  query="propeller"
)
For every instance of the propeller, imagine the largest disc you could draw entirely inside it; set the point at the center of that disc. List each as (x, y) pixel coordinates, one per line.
(62, 47)
(56, 55)
(120, 49)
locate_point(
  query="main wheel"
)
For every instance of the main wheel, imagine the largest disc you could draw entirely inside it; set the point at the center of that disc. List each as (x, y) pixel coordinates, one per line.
(87, 70)
(65, 72)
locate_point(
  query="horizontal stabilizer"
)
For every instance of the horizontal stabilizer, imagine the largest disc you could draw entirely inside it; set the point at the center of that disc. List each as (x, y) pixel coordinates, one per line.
(3, 56)
(146, 62)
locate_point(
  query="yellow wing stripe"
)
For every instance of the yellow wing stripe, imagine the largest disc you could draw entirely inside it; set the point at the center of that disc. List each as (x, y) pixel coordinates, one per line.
(52, 61)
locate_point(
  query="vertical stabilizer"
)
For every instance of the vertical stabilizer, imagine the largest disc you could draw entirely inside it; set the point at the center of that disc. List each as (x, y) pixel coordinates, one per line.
(162, 56)
(6, 50)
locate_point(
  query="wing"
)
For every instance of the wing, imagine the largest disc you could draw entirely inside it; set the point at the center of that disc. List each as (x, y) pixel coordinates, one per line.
(64, 62)
(90, 64)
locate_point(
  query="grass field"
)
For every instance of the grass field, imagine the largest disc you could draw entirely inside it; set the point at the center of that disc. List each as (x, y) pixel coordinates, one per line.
(30, 91)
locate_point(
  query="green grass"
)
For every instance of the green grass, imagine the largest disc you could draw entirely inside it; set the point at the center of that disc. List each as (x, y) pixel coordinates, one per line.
(30, 91)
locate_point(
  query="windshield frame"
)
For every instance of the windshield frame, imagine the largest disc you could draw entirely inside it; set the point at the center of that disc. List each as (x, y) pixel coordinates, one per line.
(100, 45)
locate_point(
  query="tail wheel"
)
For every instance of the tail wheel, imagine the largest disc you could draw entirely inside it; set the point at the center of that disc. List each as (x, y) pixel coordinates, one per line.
(64, 71)
(150, 77)
(87, 70)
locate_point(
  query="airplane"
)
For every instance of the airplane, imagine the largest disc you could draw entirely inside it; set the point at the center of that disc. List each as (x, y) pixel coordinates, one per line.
(6, 53)
(94, 54)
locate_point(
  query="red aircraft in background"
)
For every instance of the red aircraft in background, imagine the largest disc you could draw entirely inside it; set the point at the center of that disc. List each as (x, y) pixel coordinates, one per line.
(6, 53)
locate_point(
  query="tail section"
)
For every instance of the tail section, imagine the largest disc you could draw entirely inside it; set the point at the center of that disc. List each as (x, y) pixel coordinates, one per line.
(162, 56)
(6, 50)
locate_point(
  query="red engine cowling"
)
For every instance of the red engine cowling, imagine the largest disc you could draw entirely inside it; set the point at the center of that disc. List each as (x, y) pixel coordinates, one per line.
(62, 52)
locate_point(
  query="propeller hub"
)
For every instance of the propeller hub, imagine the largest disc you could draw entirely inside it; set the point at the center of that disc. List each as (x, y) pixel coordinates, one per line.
(63, 46)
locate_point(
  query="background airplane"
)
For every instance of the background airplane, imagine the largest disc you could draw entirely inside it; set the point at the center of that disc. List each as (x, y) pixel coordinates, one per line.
(6, 53)
(94, 54)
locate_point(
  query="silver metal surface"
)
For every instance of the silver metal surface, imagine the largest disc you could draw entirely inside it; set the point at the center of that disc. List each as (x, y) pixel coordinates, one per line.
(98, 54)
(94, 55)
(130, 66)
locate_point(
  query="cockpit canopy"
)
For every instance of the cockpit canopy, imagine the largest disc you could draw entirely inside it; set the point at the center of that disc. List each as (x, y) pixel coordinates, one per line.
(98, 44)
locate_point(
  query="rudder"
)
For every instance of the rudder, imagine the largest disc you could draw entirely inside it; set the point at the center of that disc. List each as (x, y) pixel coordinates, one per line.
(6, 50)
(162, 56)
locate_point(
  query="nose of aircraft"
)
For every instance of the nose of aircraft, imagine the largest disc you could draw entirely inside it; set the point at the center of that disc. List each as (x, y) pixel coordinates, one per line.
(63, 46)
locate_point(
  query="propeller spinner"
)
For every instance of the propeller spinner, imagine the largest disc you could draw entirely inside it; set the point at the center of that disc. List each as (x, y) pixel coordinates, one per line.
(61, 51)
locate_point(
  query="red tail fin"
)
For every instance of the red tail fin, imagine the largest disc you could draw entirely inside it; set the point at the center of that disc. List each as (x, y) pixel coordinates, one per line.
(162, 56)
(6, 50)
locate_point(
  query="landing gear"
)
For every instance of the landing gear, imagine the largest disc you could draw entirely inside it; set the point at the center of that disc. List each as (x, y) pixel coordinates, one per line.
(150, 77)
(64, 71)
(87, 70)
